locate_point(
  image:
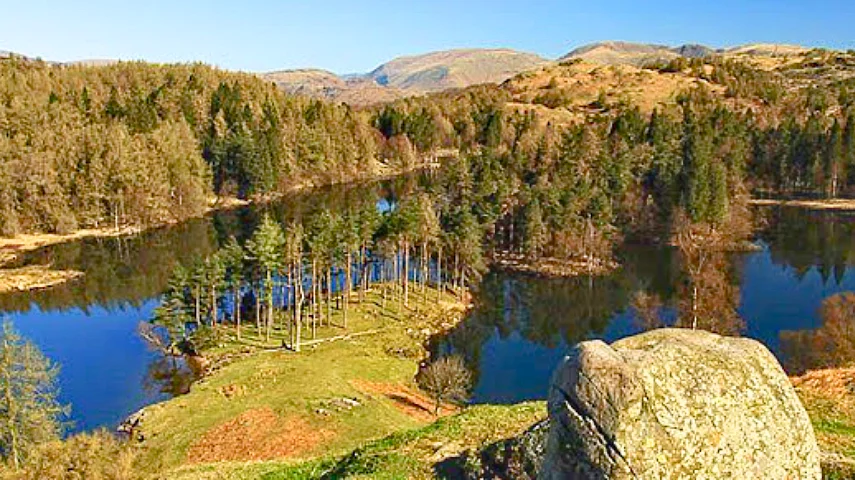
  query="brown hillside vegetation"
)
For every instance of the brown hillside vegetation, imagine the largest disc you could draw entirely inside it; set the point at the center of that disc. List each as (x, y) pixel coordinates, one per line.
(572, 90)
(771, 81)
(622, 53)
(257, 434)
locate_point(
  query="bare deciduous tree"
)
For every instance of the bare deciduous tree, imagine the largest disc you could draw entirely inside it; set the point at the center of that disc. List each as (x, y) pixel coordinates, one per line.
(447, 380)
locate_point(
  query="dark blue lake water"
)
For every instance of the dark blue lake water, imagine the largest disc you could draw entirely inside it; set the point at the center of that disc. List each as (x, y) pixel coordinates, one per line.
(523, 326)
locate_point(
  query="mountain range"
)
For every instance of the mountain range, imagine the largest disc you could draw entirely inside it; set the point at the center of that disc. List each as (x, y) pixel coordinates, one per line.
(460, 68)
(451, 69)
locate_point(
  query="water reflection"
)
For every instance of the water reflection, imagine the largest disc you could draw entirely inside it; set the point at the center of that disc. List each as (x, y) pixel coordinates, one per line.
(170, 375)
(522, 326)
(89, 326)
(518, 331)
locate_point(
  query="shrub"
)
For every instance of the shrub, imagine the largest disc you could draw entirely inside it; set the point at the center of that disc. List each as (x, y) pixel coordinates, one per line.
(446, 379)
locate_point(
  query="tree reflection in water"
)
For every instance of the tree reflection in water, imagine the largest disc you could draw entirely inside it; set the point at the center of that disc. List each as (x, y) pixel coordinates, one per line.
(519, 322)
(170, 375)
(831, 345)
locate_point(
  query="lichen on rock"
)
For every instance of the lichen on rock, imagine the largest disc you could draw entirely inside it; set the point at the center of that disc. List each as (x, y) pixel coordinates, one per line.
(676, 403)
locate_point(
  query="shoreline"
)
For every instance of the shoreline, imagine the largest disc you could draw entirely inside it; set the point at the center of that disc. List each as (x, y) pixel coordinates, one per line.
(837, 204)
(549, 267)
(369, 396)
(34, 277)
(12, 279)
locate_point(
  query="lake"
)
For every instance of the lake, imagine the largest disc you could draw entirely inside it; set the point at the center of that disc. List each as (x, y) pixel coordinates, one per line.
(522, 326)
(520, 329)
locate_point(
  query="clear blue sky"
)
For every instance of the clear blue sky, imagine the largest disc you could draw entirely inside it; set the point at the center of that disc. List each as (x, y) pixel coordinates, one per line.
(355, 36)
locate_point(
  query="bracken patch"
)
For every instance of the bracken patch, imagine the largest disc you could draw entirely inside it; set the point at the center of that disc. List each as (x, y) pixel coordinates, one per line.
(257, 434)
(408, 400)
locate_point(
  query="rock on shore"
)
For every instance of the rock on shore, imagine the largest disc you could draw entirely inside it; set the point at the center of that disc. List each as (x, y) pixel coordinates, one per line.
(676, 403)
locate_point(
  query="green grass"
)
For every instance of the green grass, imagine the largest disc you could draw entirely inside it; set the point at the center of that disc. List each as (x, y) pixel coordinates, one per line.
(833, 420)
(375, 440)
(295, 385)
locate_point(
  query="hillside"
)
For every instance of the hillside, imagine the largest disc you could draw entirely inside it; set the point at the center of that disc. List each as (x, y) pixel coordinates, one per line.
(327, 85)
(641, 54)
(453, 69)
(772, 80)
(622, 53)
(571, 91)
(410, 75)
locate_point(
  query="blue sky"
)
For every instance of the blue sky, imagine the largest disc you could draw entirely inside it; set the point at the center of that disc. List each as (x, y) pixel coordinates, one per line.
(355, 36)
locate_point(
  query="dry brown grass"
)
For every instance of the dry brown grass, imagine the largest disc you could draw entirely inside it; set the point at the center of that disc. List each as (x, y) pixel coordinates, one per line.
(257, 434)
(408, 400)
(34, 277)
(829, 397)
(580, 85)
(829, 204)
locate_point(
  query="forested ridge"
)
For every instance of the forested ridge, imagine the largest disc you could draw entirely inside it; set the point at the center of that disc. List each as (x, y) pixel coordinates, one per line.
(136, 143)
(142, 144)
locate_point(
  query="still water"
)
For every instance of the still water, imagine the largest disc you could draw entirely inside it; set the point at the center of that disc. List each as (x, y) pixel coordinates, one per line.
(521, 327)
(516, 335)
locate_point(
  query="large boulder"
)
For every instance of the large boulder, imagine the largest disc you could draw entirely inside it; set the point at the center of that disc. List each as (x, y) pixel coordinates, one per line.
(674, 404)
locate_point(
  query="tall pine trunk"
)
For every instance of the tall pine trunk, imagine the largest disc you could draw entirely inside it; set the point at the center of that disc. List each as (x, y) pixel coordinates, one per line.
(406, 274)
(315, 293)
(329, 296)
(439, 274)
(237, 309)
(214, 313)
(298, 308)
(258, 293)
(269, 304)
(347, 284)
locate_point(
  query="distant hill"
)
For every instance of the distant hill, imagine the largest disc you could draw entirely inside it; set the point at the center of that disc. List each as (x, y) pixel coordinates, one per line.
(448, 69)
(767, 49)
(625, 53)
(6, 54)
(411, 75)
(353, 89)
(94, 62)
(640, 54)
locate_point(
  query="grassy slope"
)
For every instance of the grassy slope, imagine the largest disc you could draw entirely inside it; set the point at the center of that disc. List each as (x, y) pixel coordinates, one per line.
(829, 399)
(294, 386)
(378, 439)
(412, 454)
(416, 453)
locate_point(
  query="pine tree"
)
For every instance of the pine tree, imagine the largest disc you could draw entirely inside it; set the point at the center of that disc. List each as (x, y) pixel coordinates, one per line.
(349, 239)
(30, 412)
(428, 228)
(174, 312)
(535, 230)
(319, 239)
(833, 160)
(265, 249)
(234, 256)
(696, 174)
(294, 261)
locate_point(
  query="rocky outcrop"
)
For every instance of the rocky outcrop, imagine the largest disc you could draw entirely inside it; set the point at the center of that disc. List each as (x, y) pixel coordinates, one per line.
(676, 403)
